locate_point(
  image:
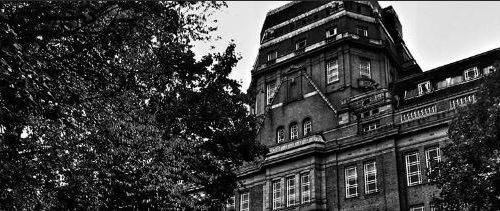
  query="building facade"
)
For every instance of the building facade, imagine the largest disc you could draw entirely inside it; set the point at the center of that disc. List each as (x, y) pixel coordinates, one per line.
(351, 120)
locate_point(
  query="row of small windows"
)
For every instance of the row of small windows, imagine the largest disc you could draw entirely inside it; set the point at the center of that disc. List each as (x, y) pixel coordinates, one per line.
(332, 75)
(294, 130)
(468, 74)
(301, 44)
(288, 197)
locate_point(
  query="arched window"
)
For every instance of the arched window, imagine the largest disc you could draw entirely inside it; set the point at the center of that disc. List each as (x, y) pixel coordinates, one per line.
(280, 134)
(307, 126)
(294, 131)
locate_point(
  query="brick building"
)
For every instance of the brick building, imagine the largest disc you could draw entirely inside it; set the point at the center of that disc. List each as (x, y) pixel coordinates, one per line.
(350, 118)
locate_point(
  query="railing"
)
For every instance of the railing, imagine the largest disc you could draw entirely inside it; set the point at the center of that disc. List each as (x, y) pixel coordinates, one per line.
(461, 101)
(418, 113)
(296, 143)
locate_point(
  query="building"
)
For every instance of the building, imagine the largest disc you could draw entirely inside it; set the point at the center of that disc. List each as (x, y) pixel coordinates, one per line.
(351, 120)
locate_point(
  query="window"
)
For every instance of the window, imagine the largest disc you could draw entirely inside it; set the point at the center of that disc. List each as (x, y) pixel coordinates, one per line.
(362, 31)
(432, 154)
(471, 73)
(305, 181)
(230, 206)
(370, 177)
(364, 67)
(413, 174)
(417, 208)
(277, 194)
(290, 191)
(332, 71)
(271, 89)
(330, 32)
(307, 127)
(272, 55)
(371, 126)
(300, 44)
(280, 135)
(424, 88)
(245, 202)
(294, 131)
(351, 182)
(488, 70)
(343, 118)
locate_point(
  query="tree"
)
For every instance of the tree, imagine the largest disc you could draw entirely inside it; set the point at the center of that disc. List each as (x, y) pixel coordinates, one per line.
(103, 106)
(469, 175)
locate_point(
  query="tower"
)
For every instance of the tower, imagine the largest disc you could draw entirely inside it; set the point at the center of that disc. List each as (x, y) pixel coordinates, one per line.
(341, 102)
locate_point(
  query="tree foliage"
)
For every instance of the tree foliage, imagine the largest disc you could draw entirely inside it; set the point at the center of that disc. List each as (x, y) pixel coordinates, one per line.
(469, 175)
(103, 106)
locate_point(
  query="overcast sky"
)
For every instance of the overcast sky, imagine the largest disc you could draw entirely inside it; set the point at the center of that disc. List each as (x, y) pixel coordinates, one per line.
(437, 33)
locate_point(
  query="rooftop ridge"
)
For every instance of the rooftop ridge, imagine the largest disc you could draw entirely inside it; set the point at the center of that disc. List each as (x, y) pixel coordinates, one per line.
(274, 11)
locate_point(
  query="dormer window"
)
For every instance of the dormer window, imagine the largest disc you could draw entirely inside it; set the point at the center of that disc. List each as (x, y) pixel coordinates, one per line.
(488, 70)
(330, 32)
(362, 31)
(272, 55)
(301, 44)
(424, 88)
(471, 73)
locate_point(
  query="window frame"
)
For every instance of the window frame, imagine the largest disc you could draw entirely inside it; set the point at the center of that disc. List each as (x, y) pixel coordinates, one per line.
(270, 96)
(277, 196)
(280, 135)
(421, 91)
(349, 178)
(472, 69)
(307, 129)
(367, 174)
(243, 201)
(408, 166)
(298, 45)
(332, 72)
(427, 156)
(364, 29)
(294, 131)
(288, 188)
(328, 30)
(272, 55)
(362, 68)
(489, 70)
(417, 208)
(305, 195)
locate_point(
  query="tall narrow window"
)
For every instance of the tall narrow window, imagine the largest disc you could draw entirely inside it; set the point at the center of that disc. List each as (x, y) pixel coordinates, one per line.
(294, 131)
(280, 135)
(332, 71)
(362, 31)
(271, 89)
(417, 208)
(432, 154)
(365, 67)
(307, 127)
(413, 174)
(424, 87)
(305, 181)
(300, 44)
(290, 191)
(370, 178)
(277, 194)
(245, 202)
(351, 182)
(272, 55)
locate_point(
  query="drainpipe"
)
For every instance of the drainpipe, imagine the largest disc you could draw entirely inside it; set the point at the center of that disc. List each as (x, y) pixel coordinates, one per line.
(338, 179)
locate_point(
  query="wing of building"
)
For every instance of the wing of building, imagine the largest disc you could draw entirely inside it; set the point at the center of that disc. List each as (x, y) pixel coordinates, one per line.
(350, 118)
